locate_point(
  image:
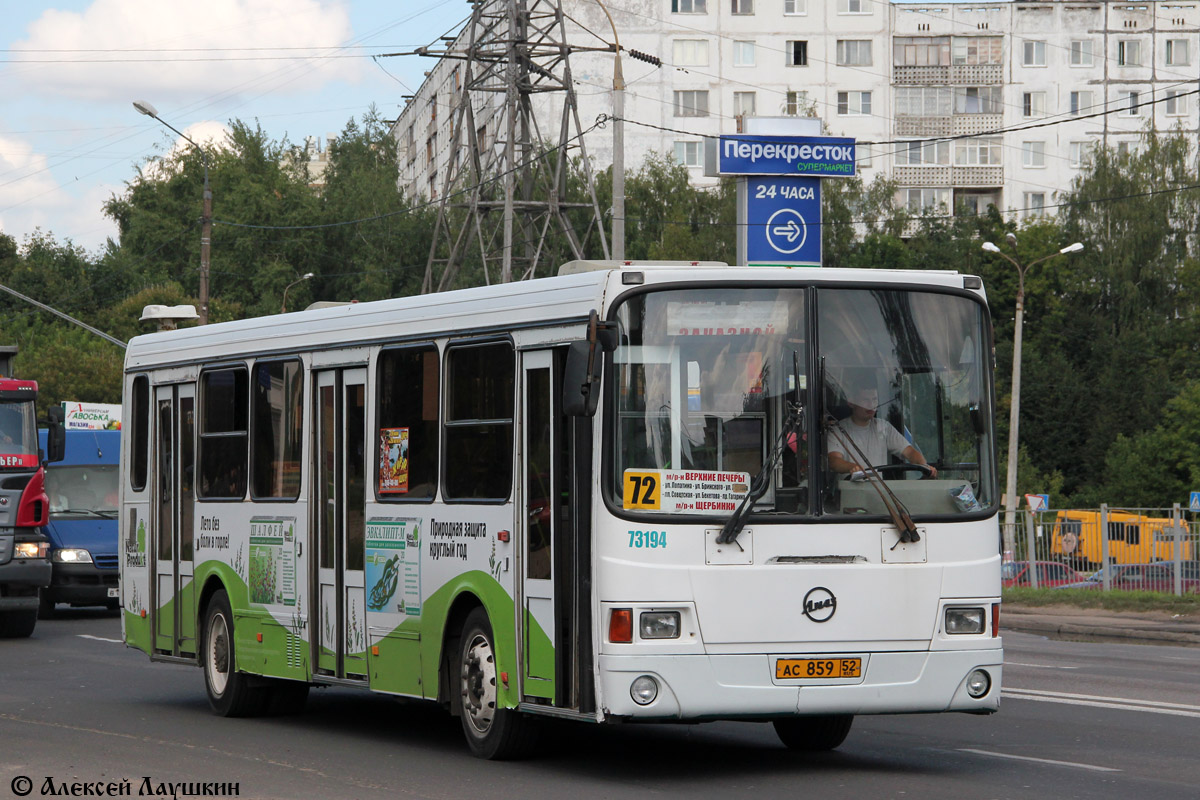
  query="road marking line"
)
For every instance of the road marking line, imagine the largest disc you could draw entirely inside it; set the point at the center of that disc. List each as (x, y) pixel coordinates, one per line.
(1038, 760)
(98, 638)
(1038, 666)
(1119, 703)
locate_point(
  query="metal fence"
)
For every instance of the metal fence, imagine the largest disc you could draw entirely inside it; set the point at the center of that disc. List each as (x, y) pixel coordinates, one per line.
(1121, 549)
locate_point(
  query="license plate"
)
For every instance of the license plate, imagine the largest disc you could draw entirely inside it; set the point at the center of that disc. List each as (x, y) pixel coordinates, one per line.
(114, 592)
(792, 668)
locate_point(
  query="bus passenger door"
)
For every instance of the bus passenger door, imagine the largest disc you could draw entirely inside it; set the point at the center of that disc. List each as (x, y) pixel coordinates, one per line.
(339, 449)
(171, 521)
(538, 512)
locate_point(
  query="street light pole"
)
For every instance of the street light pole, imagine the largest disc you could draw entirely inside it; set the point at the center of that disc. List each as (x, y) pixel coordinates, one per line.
(146, 108)
(1014, 411)
(618, 164)
(301, 279)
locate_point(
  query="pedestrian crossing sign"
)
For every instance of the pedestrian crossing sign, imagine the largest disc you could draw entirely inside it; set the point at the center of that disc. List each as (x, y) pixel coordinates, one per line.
(1194, 503)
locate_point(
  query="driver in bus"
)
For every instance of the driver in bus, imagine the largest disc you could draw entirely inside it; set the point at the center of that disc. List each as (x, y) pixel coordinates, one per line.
(874, 437)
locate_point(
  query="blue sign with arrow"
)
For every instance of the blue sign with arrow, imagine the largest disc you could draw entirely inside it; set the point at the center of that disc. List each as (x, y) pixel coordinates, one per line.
(782, 221)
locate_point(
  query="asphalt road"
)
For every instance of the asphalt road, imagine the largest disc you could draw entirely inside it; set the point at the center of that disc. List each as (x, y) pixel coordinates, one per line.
(1086, 720)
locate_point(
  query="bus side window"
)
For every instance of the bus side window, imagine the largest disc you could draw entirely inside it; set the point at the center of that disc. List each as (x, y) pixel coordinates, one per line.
(480, 387)
(139, 446)
(407, 439)
(224, 409)
(278, 428)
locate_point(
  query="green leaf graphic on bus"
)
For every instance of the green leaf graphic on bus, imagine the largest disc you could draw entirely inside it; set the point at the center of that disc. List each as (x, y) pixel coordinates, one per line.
(385, 587)
(141, 536)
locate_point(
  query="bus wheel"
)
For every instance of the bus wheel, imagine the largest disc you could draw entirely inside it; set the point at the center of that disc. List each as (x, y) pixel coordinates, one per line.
(814, 734)
(18, 624)
(229, 691)
(491, 732)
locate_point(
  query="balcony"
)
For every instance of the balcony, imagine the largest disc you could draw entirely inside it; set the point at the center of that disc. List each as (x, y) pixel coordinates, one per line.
(956, 125)
(948, 75)
(981, 176)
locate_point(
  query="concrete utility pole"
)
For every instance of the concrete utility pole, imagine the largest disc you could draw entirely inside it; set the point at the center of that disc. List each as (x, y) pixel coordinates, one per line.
(1014, 412)
(146, 108)
(618, 164)
(511, 54)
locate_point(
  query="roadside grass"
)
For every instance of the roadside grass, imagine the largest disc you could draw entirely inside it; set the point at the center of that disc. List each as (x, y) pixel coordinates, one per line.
(1110, 601)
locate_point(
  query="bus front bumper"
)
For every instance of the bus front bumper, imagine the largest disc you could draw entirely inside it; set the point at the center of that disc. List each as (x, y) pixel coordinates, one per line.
(700, 687)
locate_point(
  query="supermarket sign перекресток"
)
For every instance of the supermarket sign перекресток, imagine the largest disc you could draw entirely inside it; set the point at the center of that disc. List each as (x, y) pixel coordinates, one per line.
(786, 155)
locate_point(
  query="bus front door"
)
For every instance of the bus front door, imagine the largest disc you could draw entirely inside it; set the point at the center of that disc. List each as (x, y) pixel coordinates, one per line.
(171, 530)
(339, 524)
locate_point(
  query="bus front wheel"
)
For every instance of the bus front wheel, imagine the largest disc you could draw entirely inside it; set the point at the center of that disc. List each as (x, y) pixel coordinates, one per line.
(491, 732)
(229, 691)
(814, 734)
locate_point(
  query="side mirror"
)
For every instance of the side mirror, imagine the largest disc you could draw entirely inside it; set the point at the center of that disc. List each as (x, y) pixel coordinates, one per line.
(56, 435)
(585, 367)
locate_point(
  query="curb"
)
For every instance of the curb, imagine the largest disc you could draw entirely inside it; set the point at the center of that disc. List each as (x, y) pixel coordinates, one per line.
(1111, 633)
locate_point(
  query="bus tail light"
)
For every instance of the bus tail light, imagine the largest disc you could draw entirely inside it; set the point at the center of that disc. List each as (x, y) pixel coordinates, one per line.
(995, 620)
(620, 626)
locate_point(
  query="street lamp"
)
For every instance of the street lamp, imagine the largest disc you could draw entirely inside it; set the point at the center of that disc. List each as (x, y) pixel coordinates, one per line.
(301, 279)
(618, 165)
(146, 108)
(1010, 490)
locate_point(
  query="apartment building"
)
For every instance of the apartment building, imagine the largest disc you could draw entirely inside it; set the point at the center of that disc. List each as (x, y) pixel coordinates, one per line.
(964, 104)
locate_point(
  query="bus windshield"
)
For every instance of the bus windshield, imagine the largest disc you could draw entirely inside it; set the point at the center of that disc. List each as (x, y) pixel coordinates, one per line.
(707, 381)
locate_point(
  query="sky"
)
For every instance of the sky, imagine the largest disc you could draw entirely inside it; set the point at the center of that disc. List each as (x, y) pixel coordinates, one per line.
(70, 137)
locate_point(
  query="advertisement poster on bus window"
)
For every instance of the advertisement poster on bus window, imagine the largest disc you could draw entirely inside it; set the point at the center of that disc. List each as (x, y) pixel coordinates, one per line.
(393, 565)
(393, 460)
(272, 562)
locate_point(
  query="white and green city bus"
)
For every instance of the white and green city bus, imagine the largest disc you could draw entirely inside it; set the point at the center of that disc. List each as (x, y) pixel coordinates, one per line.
(600, 496)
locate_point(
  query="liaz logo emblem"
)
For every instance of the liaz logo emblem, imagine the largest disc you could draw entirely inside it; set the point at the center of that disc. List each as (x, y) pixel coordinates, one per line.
(819, 604)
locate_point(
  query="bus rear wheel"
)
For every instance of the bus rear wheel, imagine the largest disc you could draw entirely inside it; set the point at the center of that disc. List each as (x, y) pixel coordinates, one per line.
(229, 691)
(814, 734)
(491, 732)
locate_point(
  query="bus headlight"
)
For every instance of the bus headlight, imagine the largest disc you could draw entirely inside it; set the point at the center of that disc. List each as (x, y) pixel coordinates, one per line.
(70, 555)
(659, 624)
(964, 620)
(644, 690)
(32, 550)
(978, 683)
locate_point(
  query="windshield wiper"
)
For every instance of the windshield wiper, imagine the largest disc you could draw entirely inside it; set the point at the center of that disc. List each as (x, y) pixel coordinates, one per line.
(733, 526)
(896, 510)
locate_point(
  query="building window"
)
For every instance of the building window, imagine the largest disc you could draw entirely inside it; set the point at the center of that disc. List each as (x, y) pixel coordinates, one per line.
(1081, 53)
(926, 200)
(1129, 53)
(224, 414)
(1127, 102)
(795, 104)
(797, 54)
(480, 383)
(1081, 103)
(854, 52)
(977, 152)
(1177, 104)
(1033, 154)
(1177, 53)
(1033, 54)
(1079, 153)
(977, 100)
(1033, 104)
(690, 52)
(689, 154)
(277, 413)
(853, 103)
(689, 6)
(1124, 150)
(923, 152)
(863, 156)
(691, 103)
(981, 50)
(924, 101)
(854, 7)
(741, 6)
(408, 380)
(743, 54)
(745, 104)
(792, 7)
(921, 51)
(1035, 204)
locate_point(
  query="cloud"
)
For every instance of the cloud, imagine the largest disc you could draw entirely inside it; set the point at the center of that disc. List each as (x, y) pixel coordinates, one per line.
(208, 44)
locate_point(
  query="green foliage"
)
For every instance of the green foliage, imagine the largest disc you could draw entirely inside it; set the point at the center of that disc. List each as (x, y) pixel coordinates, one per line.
(1110, 601)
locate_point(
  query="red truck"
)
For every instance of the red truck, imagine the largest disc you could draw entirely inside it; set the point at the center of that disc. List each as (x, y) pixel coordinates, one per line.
(24, 507)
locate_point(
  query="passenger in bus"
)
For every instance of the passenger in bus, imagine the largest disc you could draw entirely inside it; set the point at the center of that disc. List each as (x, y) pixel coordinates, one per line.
(875, 437)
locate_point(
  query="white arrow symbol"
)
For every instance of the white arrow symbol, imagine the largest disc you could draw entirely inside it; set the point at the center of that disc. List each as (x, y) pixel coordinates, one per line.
(791, 231)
